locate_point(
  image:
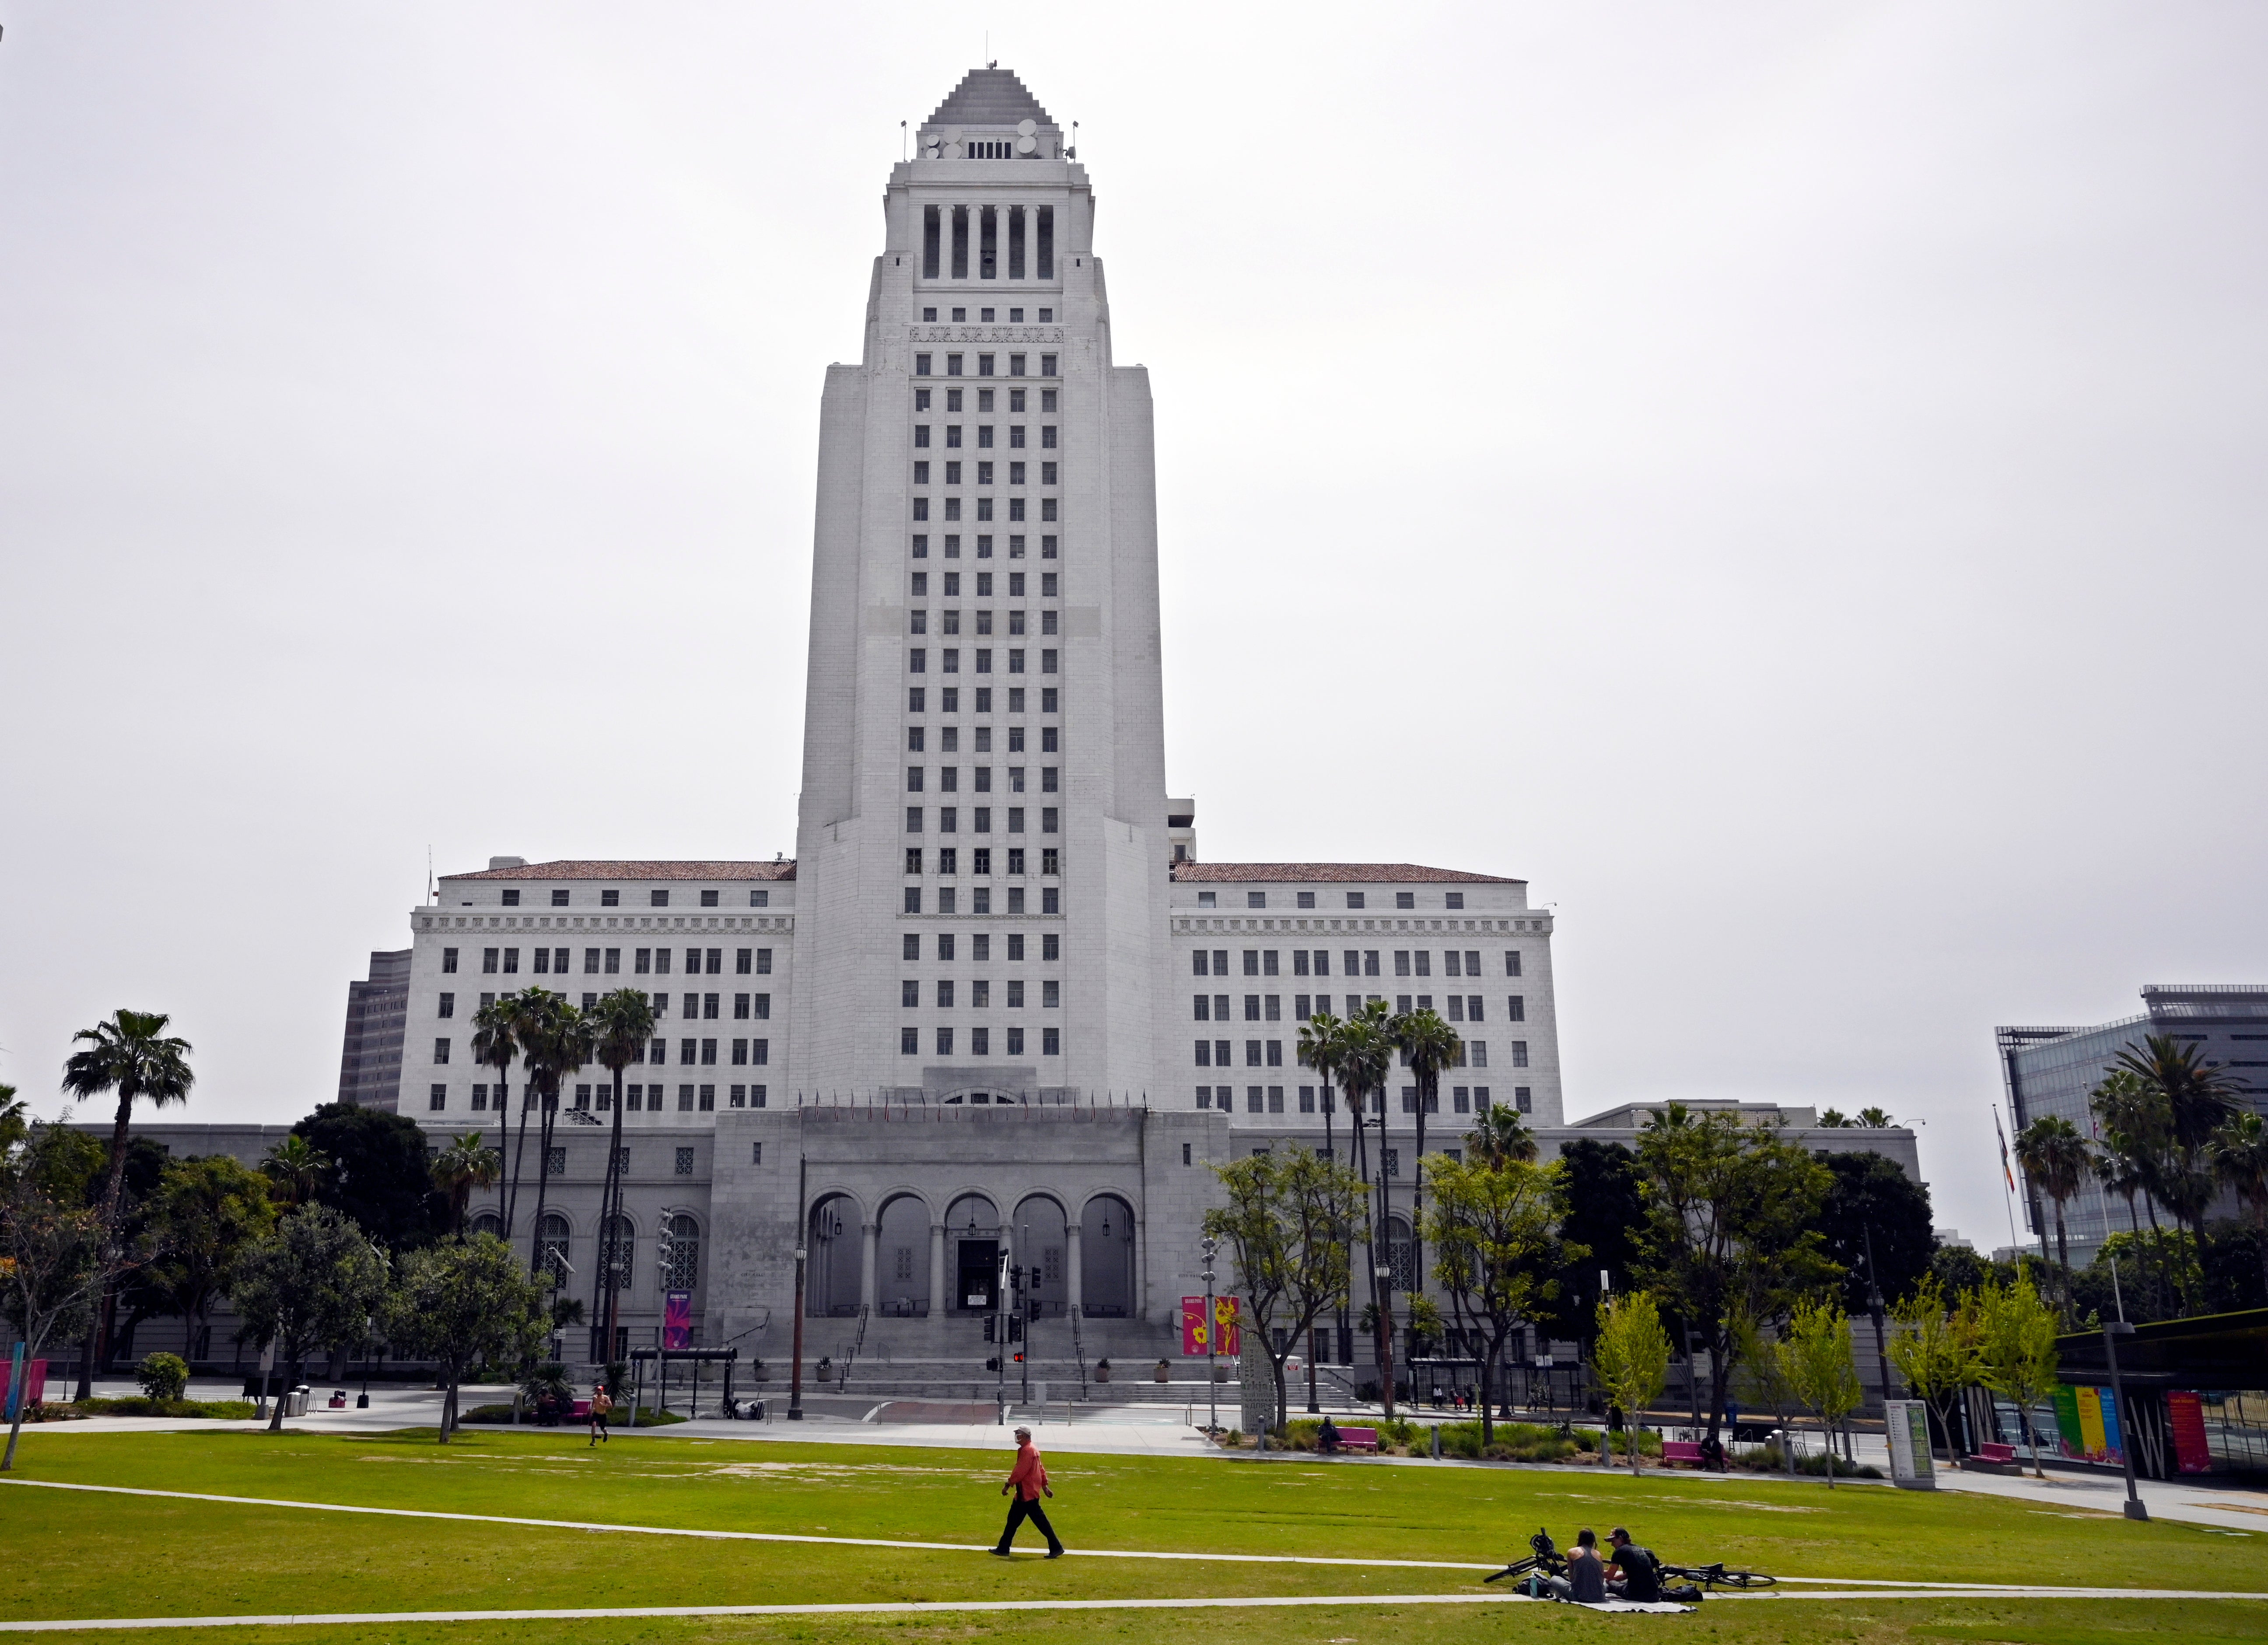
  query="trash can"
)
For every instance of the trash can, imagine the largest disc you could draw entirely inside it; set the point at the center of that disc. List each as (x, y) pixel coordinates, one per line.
(295, 1402)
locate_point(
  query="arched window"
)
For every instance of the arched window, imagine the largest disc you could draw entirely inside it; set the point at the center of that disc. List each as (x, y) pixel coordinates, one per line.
(624, 1248)
(554, 1246)
(489, 1223)
(681, 1253)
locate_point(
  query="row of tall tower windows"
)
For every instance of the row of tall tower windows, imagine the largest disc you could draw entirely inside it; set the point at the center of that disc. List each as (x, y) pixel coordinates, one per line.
(1048, 583)
(980, 1043)
(924, 364)
(953, 236)
(951, 547)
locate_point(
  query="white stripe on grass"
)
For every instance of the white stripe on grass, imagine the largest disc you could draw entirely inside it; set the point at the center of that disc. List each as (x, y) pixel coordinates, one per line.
(917, 1607)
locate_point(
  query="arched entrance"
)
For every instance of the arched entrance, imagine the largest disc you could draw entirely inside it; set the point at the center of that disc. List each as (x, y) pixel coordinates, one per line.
(902, 1259)
(972, 1251)
(1043, 1247)
(1106, 1228)
(830, 1283)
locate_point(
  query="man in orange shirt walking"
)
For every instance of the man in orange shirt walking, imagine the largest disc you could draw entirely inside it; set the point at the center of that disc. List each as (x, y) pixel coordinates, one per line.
(1028, 1482)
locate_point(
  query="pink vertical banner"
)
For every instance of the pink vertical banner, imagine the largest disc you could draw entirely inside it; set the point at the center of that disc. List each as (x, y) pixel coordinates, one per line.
(677, 1320)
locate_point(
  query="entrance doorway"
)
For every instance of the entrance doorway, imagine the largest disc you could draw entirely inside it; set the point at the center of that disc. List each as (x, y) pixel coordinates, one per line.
(979, 1276)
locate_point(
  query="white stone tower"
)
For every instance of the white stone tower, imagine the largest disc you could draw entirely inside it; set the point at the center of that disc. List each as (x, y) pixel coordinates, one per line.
(981, 853)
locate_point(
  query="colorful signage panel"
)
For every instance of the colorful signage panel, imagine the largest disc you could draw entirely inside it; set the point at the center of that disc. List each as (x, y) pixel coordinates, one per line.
(677, 1320)
(1200, 1337)
(2192, 1454)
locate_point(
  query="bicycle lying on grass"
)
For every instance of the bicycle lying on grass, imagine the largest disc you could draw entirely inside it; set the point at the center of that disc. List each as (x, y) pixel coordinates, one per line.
(1545, 1563)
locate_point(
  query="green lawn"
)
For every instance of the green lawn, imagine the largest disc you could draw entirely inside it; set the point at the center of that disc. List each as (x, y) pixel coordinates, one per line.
(81, 1554)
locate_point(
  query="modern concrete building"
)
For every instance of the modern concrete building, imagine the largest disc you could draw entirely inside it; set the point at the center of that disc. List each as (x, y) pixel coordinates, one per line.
(2054, 1071)
(370, 1064)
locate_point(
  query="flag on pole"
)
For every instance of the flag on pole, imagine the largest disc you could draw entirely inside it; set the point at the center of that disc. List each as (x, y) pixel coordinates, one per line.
(2003, 1137)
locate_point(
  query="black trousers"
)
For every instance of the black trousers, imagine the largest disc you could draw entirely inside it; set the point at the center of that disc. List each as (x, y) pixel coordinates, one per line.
(1018, 1511)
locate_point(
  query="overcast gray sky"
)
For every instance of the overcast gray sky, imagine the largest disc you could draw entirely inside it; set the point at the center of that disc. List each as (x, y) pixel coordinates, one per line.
(1784, 480)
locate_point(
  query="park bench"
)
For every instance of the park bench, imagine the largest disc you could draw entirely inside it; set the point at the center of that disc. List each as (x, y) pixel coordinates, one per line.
(582, 1410)
(1992, 1451)
(1681, 1451)
(1357, 1439)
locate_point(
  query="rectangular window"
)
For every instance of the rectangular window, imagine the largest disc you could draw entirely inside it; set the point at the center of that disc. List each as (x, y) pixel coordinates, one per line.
(760, 1053)
(1252, 1054)
(1519, 1053)
(1251, 1008)
(1204, 1050)
(1050, 1042)
(1354, 900)
(739, 1053)
(1511, 962)
(1401, 962)
(764, 969)
(448, 959)
(440, 1051)
(512, 961)
(437, 1099)
(1307, 899)
(909, 1042)
(1456, 1007)
(1300, 1011)
(446, 1006)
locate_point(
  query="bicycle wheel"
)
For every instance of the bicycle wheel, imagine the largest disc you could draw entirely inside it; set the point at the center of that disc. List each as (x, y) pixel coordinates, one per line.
(1747, 1579)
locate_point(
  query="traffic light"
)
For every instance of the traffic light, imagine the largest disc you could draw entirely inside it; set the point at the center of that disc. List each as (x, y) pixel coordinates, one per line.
(1020, 1356)
(1016, 1329)
(989, 1323)
(1016, 1278)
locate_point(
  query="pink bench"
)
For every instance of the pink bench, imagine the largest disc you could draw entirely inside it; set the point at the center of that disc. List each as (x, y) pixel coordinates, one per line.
(1357, 1439)
(1681, 1451)
(1994, 1452)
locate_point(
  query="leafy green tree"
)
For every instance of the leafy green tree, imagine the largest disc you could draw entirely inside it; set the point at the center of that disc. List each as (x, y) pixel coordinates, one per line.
(381, 1174)
(314, 1282)
(1631, 1358)
(1428, 1047)
(1833, 1119)
(1731, 1227)
(1815, 1355)
(1285, 1224)
(1871, 1203)
(132, 1056)
(621, 1023)
(1875, 1119)
(51, 1246)
(461, 1303)
(1762, 1379)
(2016, 1349)
(1935, 1351)
(2134, 1144)
(1605, 1218)
(207, 1212)
(1496, 1232)
(2054, 1159)
(15, 1121)
(467, 1164)
(1499, 1132)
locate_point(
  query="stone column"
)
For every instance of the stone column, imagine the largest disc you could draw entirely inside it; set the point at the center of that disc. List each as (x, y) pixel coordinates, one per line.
(868, 1233)
(1074, 1268)
(1141, 1299)
(938, 1299)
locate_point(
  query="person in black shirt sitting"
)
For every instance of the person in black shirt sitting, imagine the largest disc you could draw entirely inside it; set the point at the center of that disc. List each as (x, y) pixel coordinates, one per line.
(1327, 1437)
(1640, 1573)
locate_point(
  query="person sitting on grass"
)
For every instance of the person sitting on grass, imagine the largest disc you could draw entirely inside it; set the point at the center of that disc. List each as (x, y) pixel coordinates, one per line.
(1586, 1581)
(1640, 1573)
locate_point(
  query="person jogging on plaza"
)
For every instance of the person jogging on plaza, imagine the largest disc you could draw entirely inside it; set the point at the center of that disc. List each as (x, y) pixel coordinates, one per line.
(1027, 1481)
(599, 1406)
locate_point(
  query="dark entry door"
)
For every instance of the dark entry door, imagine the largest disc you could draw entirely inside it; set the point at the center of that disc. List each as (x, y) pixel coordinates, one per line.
(979, 1275)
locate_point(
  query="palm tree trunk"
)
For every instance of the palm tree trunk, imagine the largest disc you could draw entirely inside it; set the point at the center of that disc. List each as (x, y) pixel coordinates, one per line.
(518, 1155)
(1429, 1086)
(113, 1190)
(1385, 1289)
(547, 1104)
(602, 1293)
(2063, 1261)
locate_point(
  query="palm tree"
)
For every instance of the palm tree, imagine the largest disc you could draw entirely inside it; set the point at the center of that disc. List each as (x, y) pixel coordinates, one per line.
(296, 1171)
(1364, 1058)
(1499, 1137)
(1320, 1050)
(2054, 1156)
(496, 1045)
(134, 1056)
(2239, 1158)
(621, 1023)
(1428, 1045)
(555, 1050)
(1876, 1118)
(2198, 1099)
(467, 1164)
(2133, 1122)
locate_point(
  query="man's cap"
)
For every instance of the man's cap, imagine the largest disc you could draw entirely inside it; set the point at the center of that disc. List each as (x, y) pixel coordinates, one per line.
(1618, 1534)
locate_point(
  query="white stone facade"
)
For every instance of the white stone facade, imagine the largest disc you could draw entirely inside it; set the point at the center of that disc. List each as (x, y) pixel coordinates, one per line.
(992, 904)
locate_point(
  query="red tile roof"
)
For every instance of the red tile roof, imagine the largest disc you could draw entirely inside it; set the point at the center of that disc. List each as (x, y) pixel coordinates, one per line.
(577, 868)
(1334, 874)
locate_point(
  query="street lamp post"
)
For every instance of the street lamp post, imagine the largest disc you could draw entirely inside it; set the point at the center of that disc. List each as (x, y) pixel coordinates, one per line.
(2112, 1330)
(1212, 1389)
(802, 1249)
